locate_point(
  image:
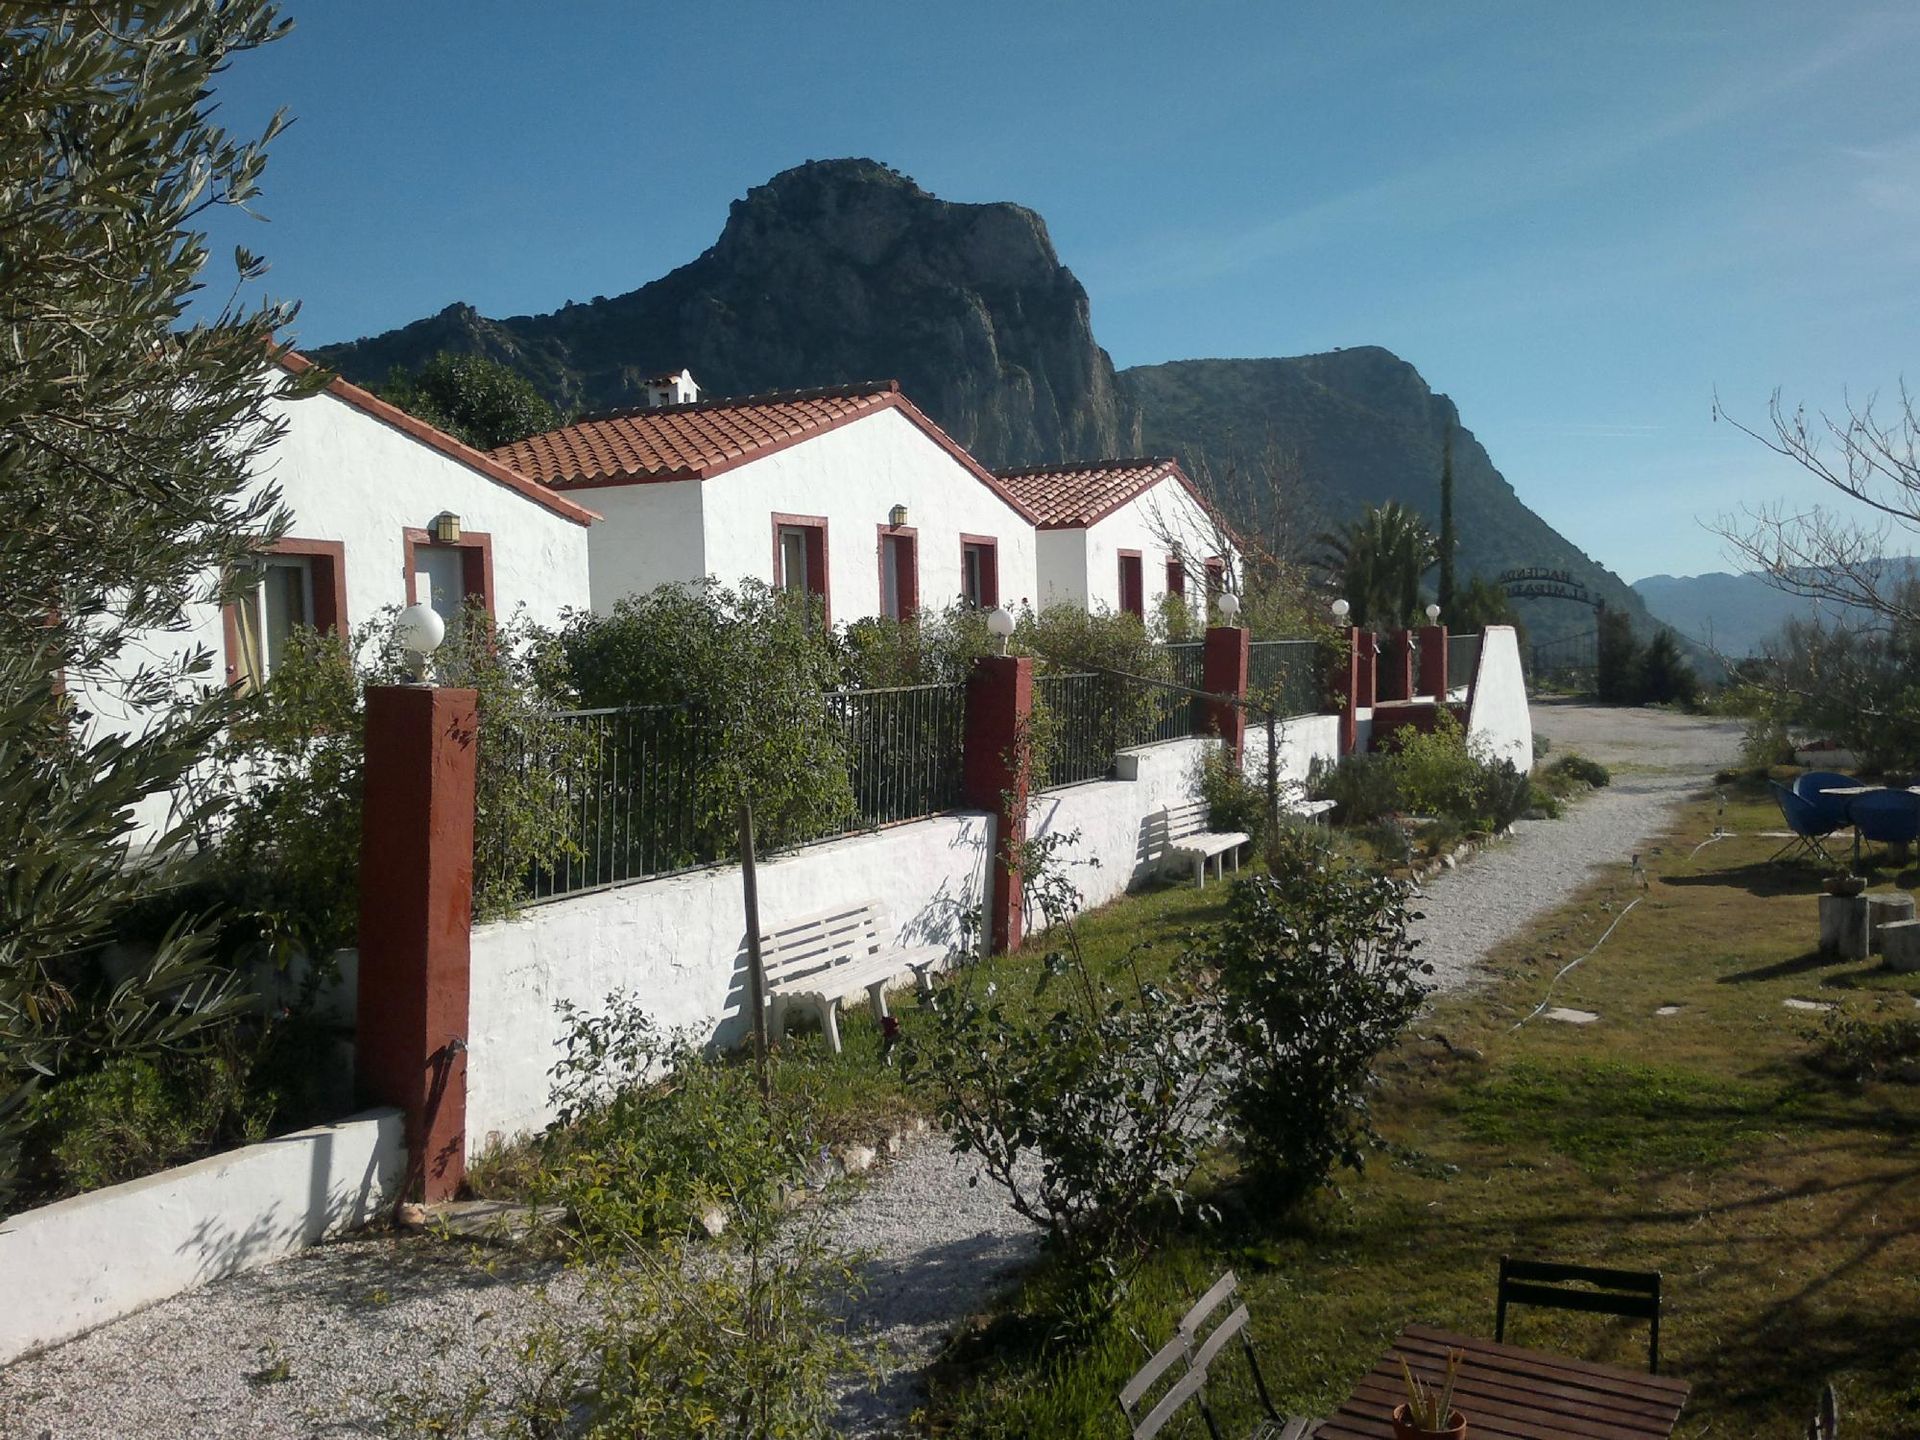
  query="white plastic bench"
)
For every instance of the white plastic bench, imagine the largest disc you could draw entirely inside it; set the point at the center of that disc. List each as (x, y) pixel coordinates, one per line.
(1188, 838)
(816, 961)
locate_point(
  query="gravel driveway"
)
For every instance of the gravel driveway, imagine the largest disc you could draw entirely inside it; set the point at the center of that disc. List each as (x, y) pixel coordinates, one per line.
(304, 1347)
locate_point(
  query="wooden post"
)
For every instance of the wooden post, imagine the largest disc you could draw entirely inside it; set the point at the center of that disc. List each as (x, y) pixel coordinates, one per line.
(756, 965)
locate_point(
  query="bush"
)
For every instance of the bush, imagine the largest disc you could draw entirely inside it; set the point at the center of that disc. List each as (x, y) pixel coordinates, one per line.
(1434, 772)
(1108, 1086)
(651, 1132)
(1233, 801)
(1317, 976)
(1578, 769)
(1860, 1050)
(1362, 786)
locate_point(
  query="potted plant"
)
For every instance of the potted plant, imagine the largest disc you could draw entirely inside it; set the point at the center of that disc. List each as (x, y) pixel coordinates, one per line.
(1844, 882)
(1428, 1412)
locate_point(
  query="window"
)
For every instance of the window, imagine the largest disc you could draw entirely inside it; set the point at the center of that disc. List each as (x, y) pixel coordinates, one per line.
(1133, 590)
(299, 583)
(447, 576)
(1177, 578)
(1216, 579)
(899, 572)
(800, 557)
(980, 571)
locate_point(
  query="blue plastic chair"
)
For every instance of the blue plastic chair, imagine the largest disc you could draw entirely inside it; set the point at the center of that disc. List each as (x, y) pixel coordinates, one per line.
(1807, 824)
(1813, 786)
(1886, 817)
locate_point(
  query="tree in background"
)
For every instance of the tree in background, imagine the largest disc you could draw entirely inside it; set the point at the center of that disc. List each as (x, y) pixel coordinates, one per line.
(1480, 604)
(1377, 561)
(1446, 596)
(1618, 681)
(1665, 676)
(476, 399)
(127, 444)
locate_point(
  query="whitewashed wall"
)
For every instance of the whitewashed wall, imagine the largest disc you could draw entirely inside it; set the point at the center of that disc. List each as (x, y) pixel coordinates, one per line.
(1497, 715)
(854, 476)
(1146, 523)
(651, 535)
(677, 946)
(79, 1263)
(1062, 561)
(1303, 739)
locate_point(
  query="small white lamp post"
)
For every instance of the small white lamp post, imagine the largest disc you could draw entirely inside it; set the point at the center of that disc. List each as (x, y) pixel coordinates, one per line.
(1000, 626)
(1340, 610)
(419, 631)
(1229, 604)
(1433, 614)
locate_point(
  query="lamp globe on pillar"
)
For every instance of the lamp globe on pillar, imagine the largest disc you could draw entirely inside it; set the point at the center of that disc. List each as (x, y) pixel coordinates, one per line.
(1229, 606)
(419, 631)
(1000, 626)
(1433, 614)
(1340, 610)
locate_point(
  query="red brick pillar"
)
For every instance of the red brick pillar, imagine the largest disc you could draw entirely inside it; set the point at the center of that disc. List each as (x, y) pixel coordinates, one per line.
(416, 908)
(1433, 662)
(994, 777)
(1356, 690)
(1397, 681)
(1225, 666)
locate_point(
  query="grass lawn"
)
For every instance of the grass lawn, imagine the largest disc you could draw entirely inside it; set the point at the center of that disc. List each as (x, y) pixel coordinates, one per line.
(1783, 1209)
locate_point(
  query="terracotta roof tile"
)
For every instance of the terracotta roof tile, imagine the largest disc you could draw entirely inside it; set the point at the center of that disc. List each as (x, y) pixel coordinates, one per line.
(1072, 497)
(706, 438)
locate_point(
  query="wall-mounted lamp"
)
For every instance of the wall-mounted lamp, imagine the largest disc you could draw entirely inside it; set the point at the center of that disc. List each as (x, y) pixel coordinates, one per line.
(1340, 610)
(1433, 614)
(1000, 626)
(897, 516)
(419, 630)
(446, 528)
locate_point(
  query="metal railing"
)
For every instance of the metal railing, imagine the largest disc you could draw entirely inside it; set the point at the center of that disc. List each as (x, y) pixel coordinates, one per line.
(1080, 716)
(1169, 715)
(1463, 659)
(903, 750)
(1287, 674)
(631, 780)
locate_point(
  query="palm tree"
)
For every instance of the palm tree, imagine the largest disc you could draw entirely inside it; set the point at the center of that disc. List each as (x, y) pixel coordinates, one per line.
(1378, 560)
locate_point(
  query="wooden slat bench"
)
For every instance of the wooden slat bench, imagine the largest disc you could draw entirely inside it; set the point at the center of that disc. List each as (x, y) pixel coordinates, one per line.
(1188, 838)
(816, 961)
(1201, 1336)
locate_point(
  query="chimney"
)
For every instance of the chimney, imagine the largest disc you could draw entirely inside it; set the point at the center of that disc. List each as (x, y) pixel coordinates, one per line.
(675, 389)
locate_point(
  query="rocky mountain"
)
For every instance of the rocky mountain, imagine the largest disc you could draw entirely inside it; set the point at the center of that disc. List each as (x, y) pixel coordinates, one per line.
(836, 270)
(1738, 614)
(844, 270)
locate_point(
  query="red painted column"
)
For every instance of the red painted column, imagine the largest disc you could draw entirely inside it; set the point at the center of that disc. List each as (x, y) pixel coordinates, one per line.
(1397, 682)
(1433, 662)
(995, 775)
(1356, 692)
(416, 910)
(1225, 663)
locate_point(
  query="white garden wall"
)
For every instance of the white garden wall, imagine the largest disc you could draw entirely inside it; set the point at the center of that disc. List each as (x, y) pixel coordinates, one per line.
(678, 946)
(1303, 739)
(80, 1263)
(1497, 714)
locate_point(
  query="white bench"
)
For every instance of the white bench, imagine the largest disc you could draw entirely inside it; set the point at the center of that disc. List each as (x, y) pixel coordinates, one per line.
(816, 961)
(1188, 838)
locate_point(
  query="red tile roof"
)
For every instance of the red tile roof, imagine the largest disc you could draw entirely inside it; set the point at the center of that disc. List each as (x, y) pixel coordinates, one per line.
(1072, 497)
(708, 438)
(459, 450)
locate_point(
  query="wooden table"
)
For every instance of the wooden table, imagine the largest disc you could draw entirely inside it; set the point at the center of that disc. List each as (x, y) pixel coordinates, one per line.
(1506, 1391)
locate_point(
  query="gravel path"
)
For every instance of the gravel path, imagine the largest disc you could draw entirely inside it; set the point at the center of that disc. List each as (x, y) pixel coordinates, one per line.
(304, 1348)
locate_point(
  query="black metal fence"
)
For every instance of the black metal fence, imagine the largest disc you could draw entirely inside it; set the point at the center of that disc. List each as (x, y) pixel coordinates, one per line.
(1171, 715)
(1570, 657)
(1080, 726)
(1463, 659)
(1290, 675)
(641, 794)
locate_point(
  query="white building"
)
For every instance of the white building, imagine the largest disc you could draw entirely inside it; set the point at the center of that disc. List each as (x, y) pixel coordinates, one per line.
(386, 510)
(1121, 534)
(849, 494)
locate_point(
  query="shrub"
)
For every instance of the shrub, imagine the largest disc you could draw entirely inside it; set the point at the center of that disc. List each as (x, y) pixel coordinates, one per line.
(938, 648)
(1435, 772)
(1505, 794)
(1362, 786)
(1233, 801)
(651, 1132)
(1858, 1050)
(1581, 770)
(1107, 1086)
(1317, 976)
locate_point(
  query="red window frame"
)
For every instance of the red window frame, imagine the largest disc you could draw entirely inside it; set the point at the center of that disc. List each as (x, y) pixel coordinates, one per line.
(1216, 578)
(907, 598)
(818, 572)
(989, 548)
(476, 563)
(329, 566)
(1177, 577)
(1133, 584)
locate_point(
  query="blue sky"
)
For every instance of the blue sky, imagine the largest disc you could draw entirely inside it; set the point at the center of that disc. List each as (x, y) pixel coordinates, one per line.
(1577, 221)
